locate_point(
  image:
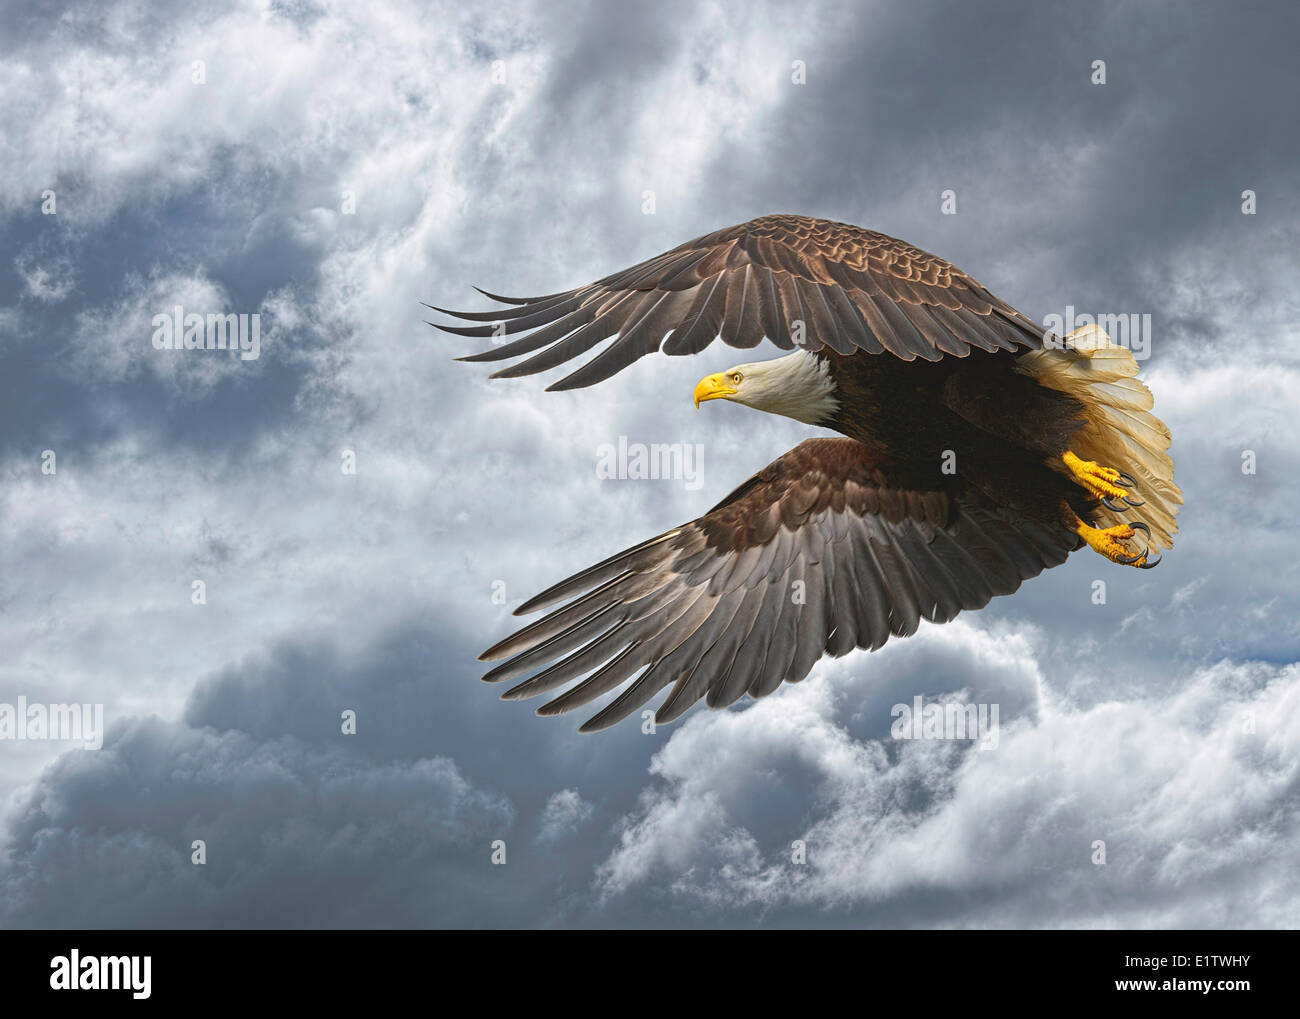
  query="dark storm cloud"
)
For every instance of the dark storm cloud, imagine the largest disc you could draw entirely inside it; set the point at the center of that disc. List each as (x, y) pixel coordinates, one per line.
(1065, 189)
(269, 813)
(392, 831)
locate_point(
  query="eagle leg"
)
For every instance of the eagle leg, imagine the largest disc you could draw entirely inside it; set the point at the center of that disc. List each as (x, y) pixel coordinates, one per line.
(1110, 542)
(1102, 482)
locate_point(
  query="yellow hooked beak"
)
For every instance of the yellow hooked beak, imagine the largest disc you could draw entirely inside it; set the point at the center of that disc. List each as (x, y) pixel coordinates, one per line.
(712, 387)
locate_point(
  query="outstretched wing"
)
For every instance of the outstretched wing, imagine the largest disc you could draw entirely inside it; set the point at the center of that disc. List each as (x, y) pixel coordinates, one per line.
(852, 290)
(817, 554)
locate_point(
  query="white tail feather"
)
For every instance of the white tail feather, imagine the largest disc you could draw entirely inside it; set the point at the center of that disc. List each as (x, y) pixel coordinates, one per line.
(1121, 431)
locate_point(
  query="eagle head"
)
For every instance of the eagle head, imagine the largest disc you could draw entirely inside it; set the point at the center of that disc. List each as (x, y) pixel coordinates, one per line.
(799, 386)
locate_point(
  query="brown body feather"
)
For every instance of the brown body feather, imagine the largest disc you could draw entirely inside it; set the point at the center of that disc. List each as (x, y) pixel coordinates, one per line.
(956, 424)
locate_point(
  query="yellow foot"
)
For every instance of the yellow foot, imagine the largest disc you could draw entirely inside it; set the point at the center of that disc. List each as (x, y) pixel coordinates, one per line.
(1110, 542)
(1099, 480)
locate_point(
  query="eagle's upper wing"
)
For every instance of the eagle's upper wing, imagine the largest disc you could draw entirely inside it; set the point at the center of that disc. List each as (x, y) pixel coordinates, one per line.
(818, 553)
(852, 289)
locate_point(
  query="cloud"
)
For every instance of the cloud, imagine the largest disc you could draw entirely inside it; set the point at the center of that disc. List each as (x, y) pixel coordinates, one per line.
(126, 819)
(49, 283)
(1193, 795)
(118, 345)
(564, 812)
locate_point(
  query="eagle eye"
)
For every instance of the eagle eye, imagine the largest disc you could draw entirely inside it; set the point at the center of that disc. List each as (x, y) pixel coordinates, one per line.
(735, 377)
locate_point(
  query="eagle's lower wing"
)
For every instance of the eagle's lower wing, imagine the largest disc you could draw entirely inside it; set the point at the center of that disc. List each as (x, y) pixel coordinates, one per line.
(851, 289)
(816, 554)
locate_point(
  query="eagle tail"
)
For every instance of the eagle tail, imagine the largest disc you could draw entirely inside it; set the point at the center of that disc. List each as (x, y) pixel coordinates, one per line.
(1121, 431)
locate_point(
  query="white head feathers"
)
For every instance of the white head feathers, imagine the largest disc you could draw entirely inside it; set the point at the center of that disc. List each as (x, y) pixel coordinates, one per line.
(797, 386)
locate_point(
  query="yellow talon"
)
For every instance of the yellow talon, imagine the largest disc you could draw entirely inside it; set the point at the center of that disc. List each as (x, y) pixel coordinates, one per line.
(1098, 480)
(1109, 542)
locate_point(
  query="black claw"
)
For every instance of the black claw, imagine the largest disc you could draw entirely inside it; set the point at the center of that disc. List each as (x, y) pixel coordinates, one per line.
(1132, 560)
(1105, 501)
(1135, 505)
(1126, 480)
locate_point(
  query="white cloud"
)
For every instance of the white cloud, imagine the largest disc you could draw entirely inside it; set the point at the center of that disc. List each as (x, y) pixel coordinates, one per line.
(116, 344)
(1192, 793)
(564, 812)
(48, 283)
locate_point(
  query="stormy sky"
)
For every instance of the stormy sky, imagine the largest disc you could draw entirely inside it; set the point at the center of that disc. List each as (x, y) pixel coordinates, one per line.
(328, 166)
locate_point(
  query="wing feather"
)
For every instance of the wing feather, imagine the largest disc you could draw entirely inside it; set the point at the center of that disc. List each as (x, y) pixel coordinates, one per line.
(855, 290)
(817, 554)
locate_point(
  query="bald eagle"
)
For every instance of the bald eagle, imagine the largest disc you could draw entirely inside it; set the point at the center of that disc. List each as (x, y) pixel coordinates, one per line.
(975, 450)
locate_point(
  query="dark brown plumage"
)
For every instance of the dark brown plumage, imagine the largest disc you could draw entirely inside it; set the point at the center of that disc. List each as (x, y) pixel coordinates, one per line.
(714, 608)
(948, 487)
(854, 290)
